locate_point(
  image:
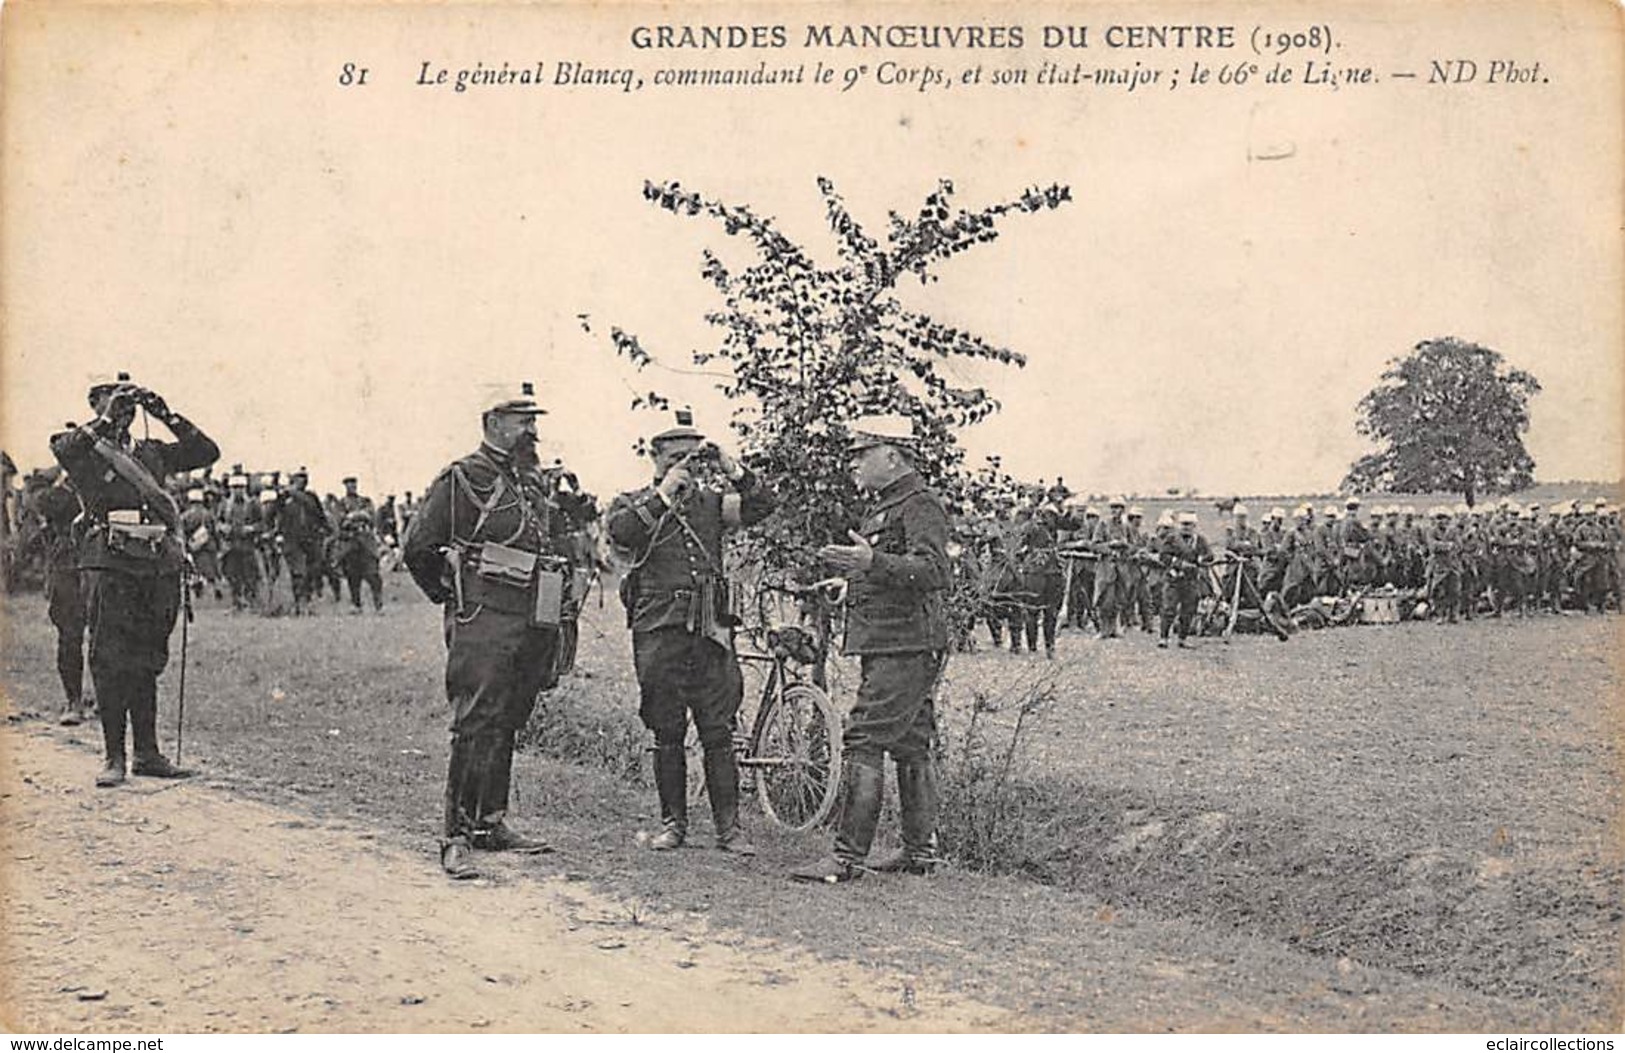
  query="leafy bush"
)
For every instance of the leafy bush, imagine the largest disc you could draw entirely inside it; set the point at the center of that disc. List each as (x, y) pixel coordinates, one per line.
(986, 820)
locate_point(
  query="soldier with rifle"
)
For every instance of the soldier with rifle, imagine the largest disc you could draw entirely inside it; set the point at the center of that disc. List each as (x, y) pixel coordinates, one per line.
(1272, 540)
(1246, 544)
(1079, 564)
(1113, 543)
(1182, 556)
(133, 557)
(1591, 552)
(1141, 598)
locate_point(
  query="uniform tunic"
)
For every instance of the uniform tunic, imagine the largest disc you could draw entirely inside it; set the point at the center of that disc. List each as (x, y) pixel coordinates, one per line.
(132, 595)
(675, 598)
(497, 662)
(896, 624)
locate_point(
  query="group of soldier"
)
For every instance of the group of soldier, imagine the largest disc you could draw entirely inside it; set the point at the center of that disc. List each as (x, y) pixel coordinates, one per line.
(241, 531)
(507, 548)
(491, 544)
(501, 544)
(246, 531)
(1043, 562)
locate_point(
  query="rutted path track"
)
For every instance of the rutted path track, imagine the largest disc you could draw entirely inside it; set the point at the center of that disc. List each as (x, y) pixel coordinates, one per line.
(178, 907)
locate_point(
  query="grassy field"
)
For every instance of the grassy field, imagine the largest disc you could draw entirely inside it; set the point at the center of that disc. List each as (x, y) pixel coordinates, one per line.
(1410, 826)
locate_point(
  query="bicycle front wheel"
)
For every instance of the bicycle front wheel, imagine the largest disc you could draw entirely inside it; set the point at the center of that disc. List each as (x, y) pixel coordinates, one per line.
(796, 755)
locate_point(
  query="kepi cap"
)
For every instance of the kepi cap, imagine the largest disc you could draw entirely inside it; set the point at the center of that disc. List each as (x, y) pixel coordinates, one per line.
(684, 428)
(523, 405)
(881, 429)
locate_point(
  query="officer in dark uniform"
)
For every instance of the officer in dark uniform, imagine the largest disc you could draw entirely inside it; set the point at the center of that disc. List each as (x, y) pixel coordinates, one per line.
(897, 567)
(483, 545)
(58, 506)
(1444, 565)
(304, 528)
(239, 523)
(132, 557)
(676, 607)
(357, 550)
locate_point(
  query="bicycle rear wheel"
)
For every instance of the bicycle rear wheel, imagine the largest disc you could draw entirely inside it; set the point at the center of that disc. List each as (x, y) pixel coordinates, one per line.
(796, 756)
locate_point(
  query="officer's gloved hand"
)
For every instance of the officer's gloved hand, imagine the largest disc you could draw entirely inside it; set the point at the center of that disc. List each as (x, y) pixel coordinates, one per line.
(726, 462)
(154, 404)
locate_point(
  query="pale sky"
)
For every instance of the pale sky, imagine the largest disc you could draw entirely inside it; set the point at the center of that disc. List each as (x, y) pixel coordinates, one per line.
(337, 277)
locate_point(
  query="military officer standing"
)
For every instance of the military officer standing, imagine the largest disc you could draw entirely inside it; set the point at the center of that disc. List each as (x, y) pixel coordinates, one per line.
(197, 525)
(676, 606)
(1245, 543)
(59, 509)
(356, 552)
(482, 545)
(1080, 568)
(1444, 565)
(132, 557)
(1594, 551)
(304, 528)
(1139, 596)
(897, 568)
(1183, 555)
(1112, 542)
(238, 522)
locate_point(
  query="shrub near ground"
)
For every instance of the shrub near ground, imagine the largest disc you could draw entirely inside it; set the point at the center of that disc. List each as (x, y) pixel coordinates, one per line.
(1406, 826)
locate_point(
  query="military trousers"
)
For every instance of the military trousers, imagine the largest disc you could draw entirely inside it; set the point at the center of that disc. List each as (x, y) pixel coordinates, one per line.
(360, 566)
(65, 604)
(1178, 605)
(130, 618)
(242, 569)
(682, 673)
(1111, 588)
(895, 711)
(304, 567)
(496, 665)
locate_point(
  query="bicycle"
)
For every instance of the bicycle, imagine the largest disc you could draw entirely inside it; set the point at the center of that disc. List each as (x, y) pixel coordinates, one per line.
(791, 755)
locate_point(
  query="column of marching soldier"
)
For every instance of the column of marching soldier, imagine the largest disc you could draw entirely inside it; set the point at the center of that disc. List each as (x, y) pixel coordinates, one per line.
(498, 542)
(1028, 564)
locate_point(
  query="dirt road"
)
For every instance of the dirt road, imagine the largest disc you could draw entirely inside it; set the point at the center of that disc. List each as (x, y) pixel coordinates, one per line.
(179, 907)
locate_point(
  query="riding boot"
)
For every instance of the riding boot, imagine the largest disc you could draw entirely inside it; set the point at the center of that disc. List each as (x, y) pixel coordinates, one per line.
(70, 669)
(671, 783)
(148, 760)
(860, 813)
(491, 831)
(494, 753)
(113, 714)
(462, 788)
(917, 801)
(722, 786)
